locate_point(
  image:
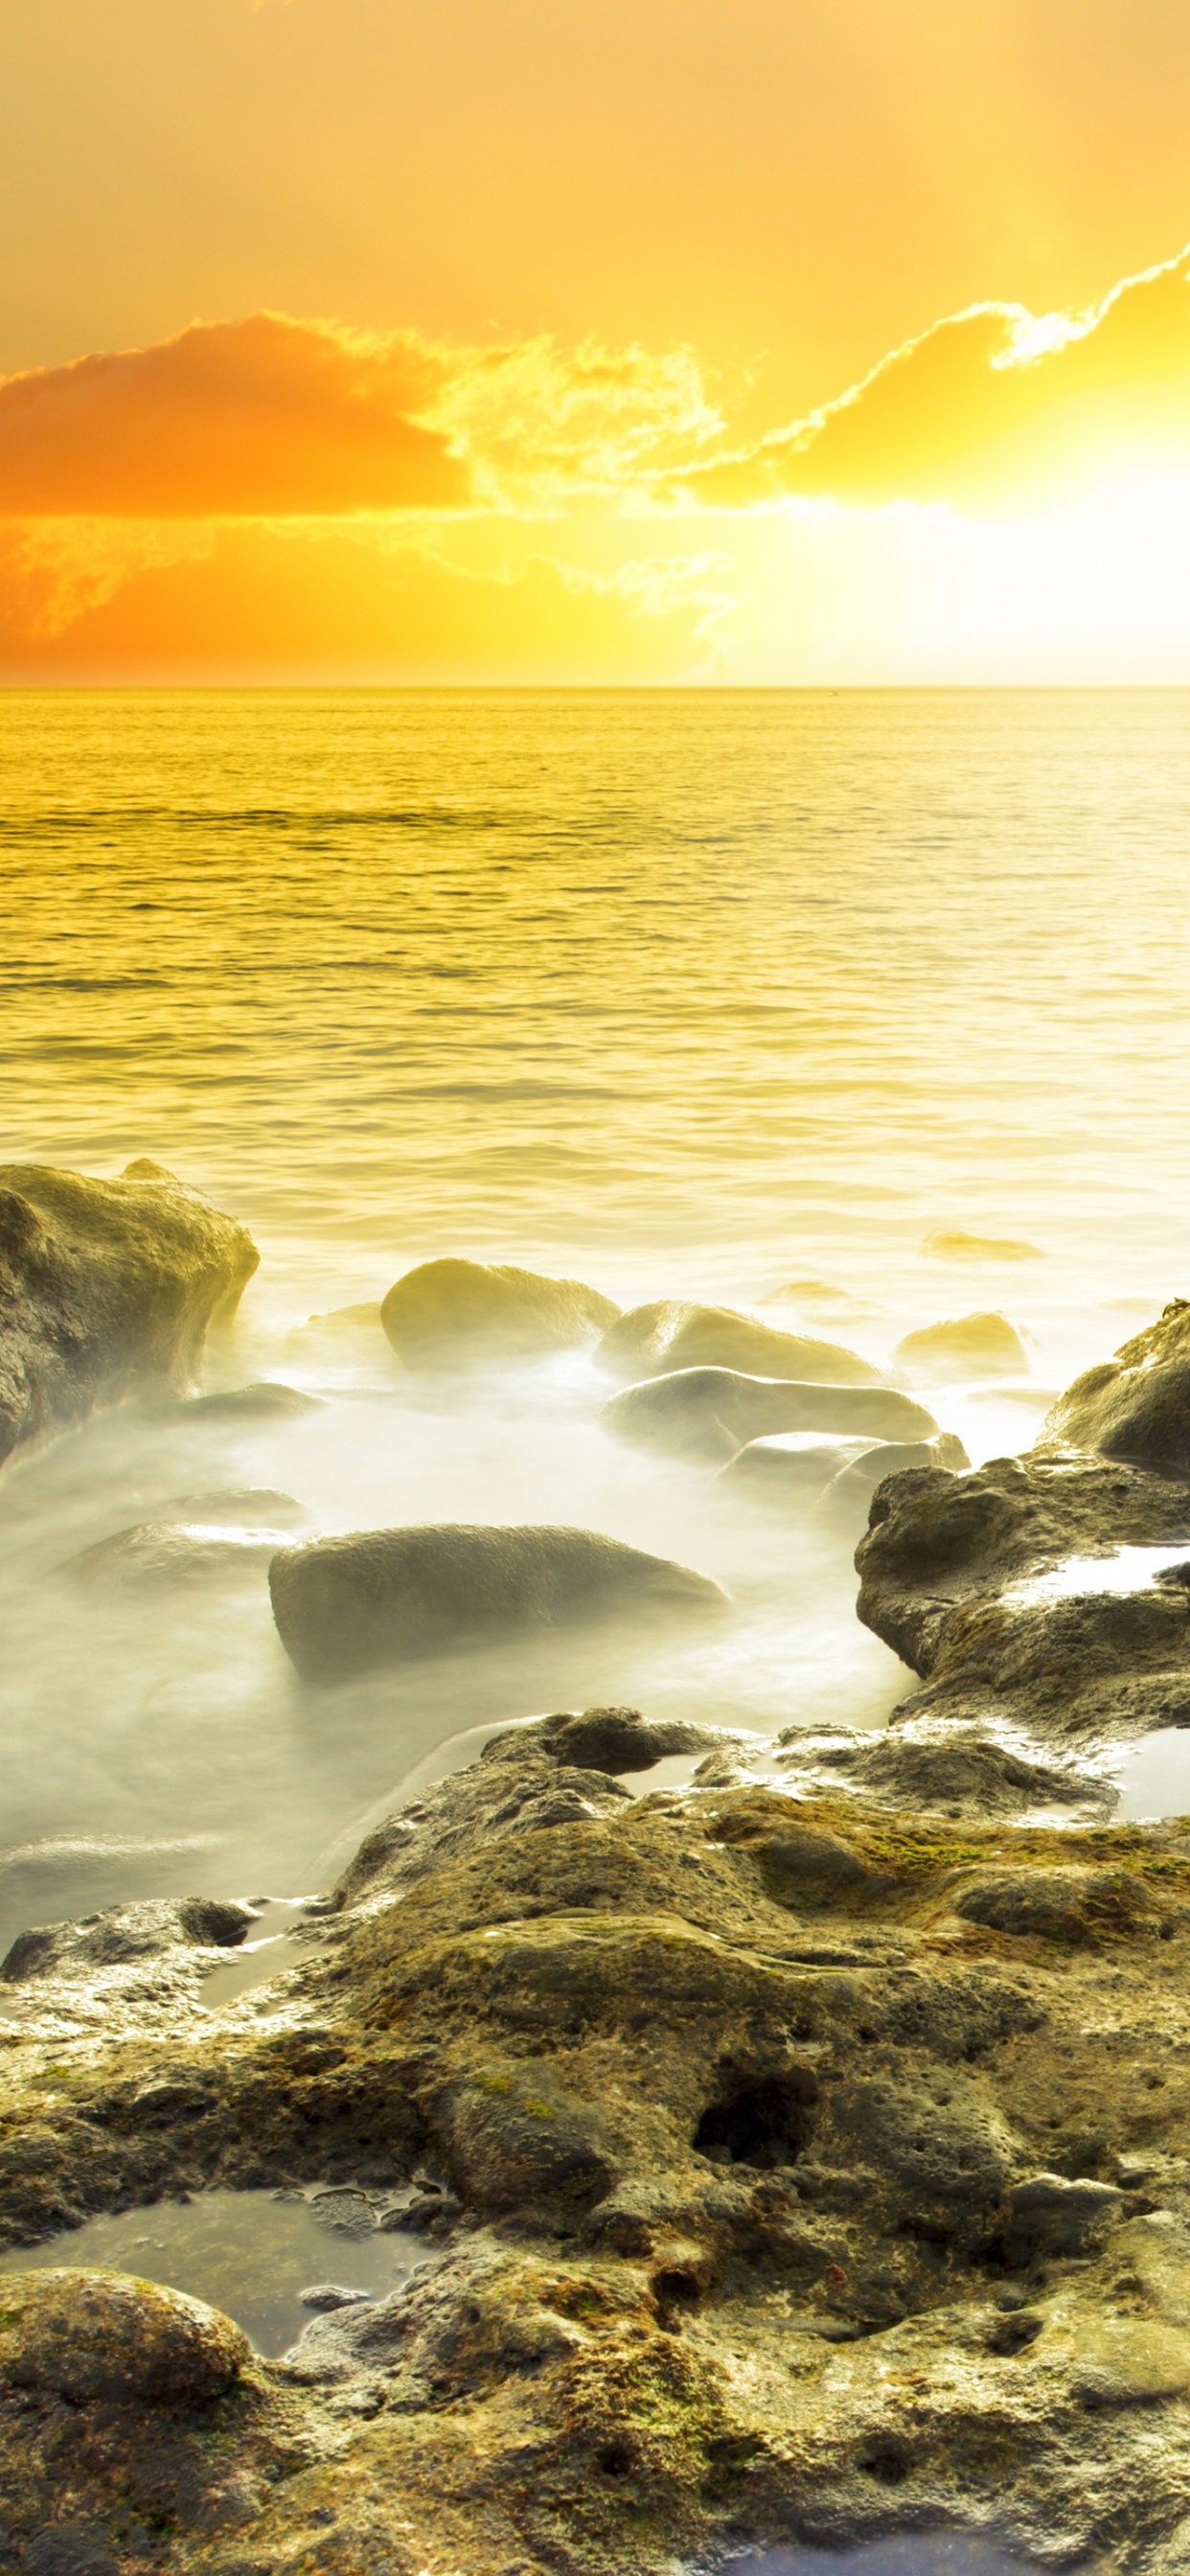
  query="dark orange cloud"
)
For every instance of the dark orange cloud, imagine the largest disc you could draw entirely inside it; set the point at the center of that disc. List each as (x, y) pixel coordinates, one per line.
(993, 408)
(264, 417)
(295, 602)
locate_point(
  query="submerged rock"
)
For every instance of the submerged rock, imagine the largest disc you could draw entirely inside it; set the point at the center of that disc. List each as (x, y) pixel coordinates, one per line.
(846, 1500)
(381, 1596)
(671, 1335)
(710, 1413)
(105, 1286)
(452, 1313)
(790, 1469)
(161, 1555)
(968, 1346)
(265, 1400)
(950, 1243)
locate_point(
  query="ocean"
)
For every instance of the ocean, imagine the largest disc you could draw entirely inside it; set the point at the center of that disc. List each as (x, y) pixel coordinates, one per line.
(856, 1009)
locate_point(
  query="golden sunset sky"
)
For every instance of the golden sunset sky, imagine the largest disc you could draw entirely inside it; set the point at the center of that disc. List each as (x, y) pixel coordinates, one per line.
(595, 340)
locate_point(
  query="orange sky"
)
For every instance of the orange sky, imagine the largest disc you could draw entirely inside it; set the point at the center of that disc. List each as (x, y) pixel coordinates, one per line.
(594, 339)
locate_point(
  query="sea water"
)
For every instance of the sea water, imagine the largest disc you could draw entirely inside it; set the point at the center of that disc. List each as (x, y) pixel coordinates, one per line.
(854, 1009)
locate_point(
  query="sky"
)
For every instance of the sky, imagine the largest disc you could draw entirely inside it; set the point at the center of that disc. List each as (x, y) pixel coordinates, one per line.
(623, 341)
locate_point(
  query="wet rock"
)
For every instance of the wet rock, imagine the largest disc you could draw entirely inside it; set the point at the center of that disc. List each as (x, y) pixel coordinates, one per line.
(265, 1400)
(453, 1313)
(944, 2160)
(105, 1286)
(1137, 1405)
(926, 1765)
(510, 2136)
(343, 1604)
(615, 1740)
(236, 1507)
(710, 1413)
(168, 1555)
(104, 2336)
(802, 1863)
(967, 1346)
(122, 1933)
(670, 1335)
(327, 2296)
(1011, 1592)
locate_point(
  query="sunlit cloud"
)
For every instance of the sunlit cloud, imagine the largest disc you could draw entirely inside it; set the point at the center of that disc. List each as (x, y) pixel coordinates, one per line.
(995, 408)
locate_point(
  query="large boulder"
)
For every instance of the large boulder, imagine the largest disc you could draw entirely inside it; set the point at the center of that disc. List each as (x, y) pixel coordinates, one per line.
(382, 1596)
(984, 1345)
(671, 1335)
(105, 1285)
(1137, 1405)
(710, 1413)
(450, 1313)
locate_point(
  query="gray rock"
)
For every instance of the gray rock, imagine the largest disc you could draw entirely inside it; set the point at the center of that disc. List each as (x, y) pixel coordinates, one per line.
(1137, 1405)
(610, 1739)
(105, 1286)
(710, 1413)
(957, 1770)
(123, 1933)
(790, 1469)
(327, 2296)
(449, 1314)
(671, 1335)
(965, 1347)
(344, 1604)
(1068, 1903)
(69, 2549)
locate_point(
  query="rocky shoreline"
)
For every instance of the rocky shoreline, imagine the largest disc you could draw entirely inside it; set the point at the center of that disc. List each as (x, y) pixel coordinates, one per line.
(800, 2150)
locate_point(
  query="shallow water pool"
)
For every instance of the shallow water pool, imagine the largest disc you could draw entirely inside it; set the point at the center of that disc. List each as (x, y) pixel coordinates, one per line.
(937, 2553)
(249, 2253)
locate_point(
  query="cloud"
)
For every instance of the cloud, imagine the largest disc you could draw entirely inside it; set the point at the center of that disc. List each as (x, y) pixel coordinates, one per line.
(336, 600)
(276, 418)
(992, 409)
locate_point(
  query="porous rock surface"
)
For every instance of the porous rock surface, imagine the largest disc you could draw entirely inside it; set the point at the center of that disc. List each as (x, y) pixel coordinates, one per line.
(790, 2177)
(380, 1596)
(106, 1286)
(710, 1413)
(452, 1313)
(671, 1334)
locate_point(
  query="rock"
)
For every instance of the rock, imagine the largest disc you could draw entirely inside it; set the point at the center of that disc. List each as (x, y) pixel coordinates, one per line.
(449, 1314)
(606, 1739)
(327, 2296)
(671, 1335)
(949, 1243)
(710, 1413)
(1126, 2364)
(1064, 1904)
(1136, 1406)
(236, 1507)
(105, 1286)
(790, 1469)
(161, 1555)
(846, 1501)
(343, 1604)
(755, 2238)
(926, 1765)
(265, 1400)
(982, 1345)
(1011, 1592)
(125, 1932)
(1049, 2215)
(69, 2549)
(104, 2336)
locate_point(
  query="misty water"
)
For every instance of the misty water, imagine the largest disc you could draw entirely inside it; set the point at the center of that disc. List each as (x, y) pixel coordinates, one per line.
(746, 997)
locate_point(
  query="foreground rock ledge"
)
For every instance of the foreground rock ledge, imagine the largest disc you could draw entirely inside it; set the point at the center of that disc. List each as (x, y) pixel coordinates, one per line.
(105, 1285)
(797, 2168)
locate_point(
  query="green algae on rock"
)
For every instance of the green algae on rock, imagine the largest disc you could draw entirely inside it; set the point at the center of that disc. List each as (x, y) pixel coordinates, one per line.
(779, 2196)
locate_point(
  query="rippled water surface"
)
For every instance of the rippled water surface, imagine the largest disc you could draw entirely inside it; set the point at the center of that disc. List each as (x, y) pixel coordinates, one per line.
(719, 995)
